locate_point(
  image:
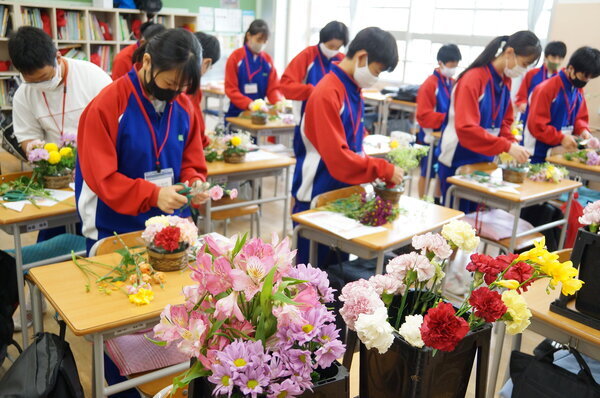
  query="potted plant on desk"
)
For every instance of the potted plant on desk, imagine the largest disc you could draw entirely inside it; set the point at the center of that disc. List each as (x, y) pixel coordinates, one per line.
(417, 344)
(259, 112)
(236, 146)
(168, 239)
(405, 157)
(53, 164)
(511, 170)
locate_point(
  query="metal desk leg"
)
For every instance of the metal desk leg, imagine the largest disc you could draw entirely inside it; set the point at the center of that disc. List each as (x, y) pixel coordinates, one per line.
(207, 216)
(563, 232)
(384, 122)
(313, 257)
(429, 165)
(98, 366)
(286, 202)
(513, 240)
(499, 329)
(36, 308)
(21, 284)
(516, 346)
(379, 266)
(221, 106)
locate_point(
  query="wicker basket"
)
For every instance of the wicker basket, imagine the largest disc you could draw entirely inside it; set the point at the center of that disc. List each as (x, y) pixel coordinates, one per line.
(57, 182)
(261, 120)
(166, 262)
(234, 157)
(514, 176)
(393, 195)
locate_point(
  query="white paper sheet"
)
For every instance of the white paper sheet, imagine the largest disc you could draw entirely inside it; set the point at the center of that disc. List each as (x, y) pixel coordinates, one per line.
(495, 184)
(260, 155)
(57, 194)
(72, 185)
(228, 20)
(16, 206)
(340, 225)
(206, 19)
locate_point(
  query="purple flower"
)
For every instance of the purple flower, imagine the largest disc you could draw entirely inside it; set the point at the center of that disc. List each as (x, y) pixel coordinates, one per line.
(329, 352)
(318, 278)
(68, 139)
(222, 377)
(240, 355)
(278, 366)
(37, 154)
(299, 362)
(593, 159)
(315, 318)
(328, 333)
(288, 388)
(253, 380)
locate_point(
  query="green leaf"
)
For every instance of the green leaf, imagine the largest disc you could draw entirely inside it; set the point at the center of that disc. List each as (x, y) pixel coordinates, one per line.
(157, 342)
(195, 371)
(216, 326)
(284, 299)
(239, 245)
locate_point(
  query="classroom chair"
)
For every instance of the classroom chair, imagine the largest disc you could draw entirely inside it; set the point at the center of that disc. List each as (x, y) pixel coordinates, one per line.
(111, 244)
(326, 197)
(226, 215)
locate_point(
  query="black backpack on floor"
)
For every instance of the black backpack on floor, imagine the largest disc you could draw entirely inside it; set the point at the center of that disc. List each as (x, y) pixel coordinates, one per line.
(9, 300)
(45, 369)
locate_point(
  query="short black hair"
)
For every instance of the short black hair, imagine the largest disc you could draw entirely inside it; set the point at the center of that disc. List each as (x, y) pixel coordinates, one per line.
(31, 49)
(555, 48)
(211, 48)
(334, 30)
(379, 44)
(152, 31)
(449, 53)
(257, 27)
(145, 26)
(587, 61)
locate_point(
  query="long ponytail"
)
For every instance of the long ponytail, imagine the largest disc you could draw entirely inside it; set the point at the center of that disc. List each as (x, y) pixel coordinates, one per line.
(524, 42)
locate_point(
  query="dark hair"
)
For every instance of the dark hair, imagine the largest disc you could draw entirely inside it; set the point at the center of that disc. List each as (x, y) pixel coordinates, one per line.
(145, 26)
(257, 27)
(210, 46)
(379, 44)
(587, 61)
(174, 49)
(524, 42)
(334, 30)
(449, 53)
(31, 49)
(152, 31)
(556, 48)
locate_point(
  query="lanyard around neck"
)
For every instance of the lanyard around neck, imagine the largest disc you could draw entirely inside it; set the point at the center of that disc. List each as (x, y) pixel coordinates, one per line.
(61, 129)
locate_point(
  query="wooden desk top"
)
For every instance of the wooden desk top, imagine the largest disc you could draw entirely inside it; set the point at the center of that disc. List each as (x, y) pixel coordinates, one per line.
(560, 160)
(374, 96)
(63, 284)
(437, 134)
(222, 168)
(401, 102)
(421, 217)
(246, 123)
(529, 190)
(213, 90)
(539, 304)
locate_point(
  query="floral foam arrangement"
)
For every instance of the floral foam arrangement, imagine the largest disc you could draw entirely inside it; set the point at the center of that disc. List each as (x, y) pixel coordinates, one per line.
(547, 172)
(256, 324)
(407, 301)
(222, 145)
(407, 158)
(374, 211)
(169, 233)
(591, 217)
(52, 160)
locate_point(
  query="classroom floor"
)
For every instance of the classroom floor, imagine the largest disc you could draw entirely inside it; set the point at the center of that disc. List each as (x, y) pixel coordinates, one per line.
(271, 222)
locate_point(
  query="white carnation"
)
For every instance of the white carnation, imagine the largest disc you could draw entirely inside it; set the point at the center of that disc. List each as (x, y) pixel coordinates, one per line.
(411, 330)
(375, 331)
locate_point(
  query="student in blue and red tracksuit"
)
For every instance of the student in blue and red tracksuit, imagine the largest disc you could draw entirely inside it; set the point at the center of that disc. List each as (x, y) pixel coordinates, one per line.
(333, 128)
(433, 101)
(558, 109)
(481, 114)
(309, 67)
(138, 138)
(554, 54)
(250, 73)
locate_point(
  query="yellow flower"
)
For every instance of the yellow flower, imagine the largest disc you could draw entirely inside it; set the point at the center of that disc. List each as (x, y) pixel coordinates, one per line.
(235, 140)
(53, 157)
(505, 157)
(158, 220)
(539, 254)
(394, 144)
(142, 297)
(50, 147)
(66, 152)
(517, 311)
(508, 283)
(461, 235)
(257, 105)
(571, 286)
(515, 131)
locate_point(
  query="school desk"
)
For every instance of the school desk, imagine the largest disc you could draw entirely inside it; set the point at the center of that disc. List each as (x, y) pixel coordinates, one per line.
(389, 104)
(31, 219)
(420, 217)
(273, 128)
(377, 100)
(529, 193)
(98, 316)
(214, 92)
(577, 169)
(437, 136)
(275, 165)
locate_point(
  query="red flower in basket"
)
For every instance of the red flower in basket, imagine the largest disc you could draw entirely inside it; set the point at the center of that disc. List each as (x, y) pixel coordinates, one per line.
(520, 272)
(488, 304)
(442, 329)
(168, 238)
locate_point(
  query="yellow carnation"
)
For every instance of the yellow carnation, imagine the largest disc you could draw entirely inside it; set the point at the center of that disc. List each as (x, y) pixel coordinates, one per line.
(508, 283)
(51, 147)
(461, 235)
(66, 152)
(235, 140)
(142, 297)
(158, 220)
(53, 157)
(394, 144)
(517, 311)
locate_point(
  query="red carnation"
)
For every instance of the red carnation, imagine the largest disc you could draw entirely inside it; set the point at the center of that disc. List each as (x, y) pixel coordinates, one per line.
(521, 272)
(168, 238)
(487, 265)
(488, 304)
(441, 329)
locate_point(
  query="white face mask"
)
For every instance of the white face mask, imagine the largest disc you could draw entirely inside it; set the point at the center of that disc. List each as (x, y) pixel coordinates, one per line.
(257, 47)
(46, 85)
(363, 76)
(327, 52)
(516, 71)
(448, 72)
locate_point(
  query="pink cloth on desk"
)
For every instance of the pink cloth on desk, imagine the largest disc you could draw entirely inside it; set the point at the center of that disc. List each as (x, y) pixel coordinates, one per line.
(496, 224)
(133, 353)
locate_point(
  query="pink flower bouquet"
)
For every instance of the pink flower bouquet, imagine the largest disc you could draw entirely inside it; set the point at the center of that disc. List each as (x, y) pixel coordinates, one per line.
(591, 217)
(257, 325)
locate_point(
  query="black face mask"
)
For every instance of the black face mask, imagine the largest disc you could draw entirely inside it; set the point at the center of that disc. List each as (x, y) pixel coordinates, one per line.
(161, 94)
(578, 83)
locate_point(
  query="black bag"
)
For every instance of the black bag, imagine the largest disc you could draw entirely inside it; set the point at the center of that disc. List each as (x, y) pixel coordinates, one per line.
(150, 6)
(9, 140)
(543, 214)
(537, 377)
(407, 93)
(45, 369)
(9, 300)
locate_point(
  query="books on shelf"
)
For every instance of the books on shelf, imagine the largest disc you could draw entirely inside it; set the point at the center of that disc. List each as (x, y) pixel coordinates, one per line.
(103, 57)
(99, 30)
(4, 21)
(125, 34)
(70, 25)
(36, 17)
(75, 53)
(7, 90)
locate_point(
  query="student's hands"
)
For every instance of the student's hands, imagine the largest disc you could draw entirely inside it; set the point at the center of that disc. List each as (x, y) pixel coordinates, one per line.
(522, 107)
(397, 176)
(569, 143)
(200, 199)
(169, 200)
(586, 135)
(518, 152)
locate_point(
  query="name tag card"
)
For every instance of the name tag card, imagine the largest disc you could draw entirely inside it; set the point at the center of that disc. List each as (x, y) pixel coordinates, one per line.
(164, 178)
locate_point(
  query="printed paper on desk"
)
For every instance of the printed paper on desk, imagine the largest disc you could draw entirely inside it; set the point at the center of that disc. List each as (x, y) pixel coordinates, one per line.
(57, 194)
(340, 225)
(260, 155)
(494, 185)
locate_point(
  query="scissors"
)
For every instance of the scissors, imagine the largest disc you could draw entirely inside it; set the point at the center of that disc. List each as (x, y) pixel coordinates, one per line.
(187, 192)
(14, 196)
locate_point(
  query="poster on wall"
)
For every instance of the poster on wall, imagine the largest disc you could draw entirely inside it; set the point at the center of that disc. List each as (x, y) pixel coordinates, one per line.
(228, 20)
(247, 18)
(230, 3)
(206, 19)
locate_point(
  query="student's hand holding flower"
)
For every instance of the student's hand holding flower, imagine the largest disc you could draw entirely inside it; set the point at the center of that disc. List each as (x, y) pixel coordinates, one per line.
(569, 143)
(169, 200)
(522, 107)
(397, 176)
(518, 152)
